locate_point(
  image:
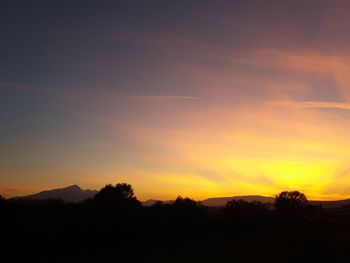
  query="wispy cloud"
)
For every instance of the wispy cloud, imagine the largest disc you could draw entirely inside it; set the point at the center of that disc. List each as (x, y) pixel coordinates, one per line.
(165, 97)
(42, 142)
(24, 86)
(212, 176)
(311, 104)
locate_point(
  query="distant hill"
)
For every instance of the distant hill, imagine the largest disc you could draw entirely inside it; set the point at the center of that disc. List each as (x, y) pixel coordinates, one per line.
(71, 193)
(151, 202)
(221, 201)
(74, 193)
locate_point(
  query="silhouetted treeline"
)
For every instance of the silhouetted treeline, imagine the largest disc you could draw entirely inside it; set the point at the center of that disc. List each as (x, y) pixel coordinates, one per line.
(115, 223)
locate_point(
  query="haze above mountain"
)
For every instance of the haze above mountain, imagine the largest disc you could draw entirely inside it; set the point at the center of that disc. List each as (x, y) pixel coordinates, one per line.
(74, 193)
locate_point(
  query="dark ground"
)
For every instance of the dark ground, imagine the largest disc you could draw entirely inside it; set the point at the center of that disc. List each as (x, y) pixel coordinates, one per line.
(121, 230)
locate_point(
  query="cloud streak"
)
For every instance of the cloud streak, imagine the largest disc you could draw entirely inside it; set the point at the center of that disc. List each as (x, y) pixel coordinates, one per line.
(24, 86)
(311, 104)
(165, 97)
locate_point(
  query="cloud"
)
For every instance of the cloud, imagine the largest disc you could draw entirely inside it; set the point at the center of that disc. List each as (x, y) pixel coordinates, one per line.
(302, 62)
(258, 179)
(42, 142)
(339, 184)
(311, 104)
(24, 86)
(60, 92)
(212, 176)
(165, 97)
(271, 73)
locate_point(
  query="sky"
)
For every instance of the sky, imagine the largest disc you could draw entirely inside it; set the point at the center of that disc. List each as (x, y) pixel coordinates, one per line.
(193, 98)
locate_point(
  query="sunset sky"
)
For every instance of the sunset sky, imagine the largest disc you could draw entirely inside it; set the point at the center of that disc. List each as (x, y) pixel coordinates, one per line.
(193, 98)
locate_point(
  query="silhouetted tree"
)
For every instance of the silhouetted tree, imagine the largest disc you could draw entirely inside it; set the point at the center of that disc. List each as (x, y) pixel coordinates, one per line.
(2, 200)
(243, 206)
(121, 191)
(290, 200)
(157, 204)
(242, 212)
(186, 203)
(120, 195)
(187, 214)
(289, 205)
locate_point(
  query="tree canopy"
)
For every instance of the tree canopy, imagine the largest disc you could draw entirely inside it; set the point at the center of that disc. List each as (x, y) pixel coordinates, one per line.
(120, 194)
(290, 200)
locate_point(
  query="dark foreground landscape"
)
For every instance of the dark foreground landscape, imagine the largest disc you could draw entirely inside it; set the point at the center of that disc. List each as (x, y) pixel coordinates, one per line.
(113, 226)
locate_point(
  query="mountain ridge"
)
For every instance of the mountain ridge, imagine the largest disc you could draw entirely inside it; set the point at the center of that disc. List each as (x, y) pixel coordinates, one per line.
(72, 193)
(222, 201)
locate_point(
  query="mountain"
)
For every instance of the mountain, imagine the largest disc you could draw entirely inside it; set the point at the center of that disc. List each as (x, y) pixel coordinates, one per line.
(74, 193)
(151, 202)
(221, 201)
(71, 193)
